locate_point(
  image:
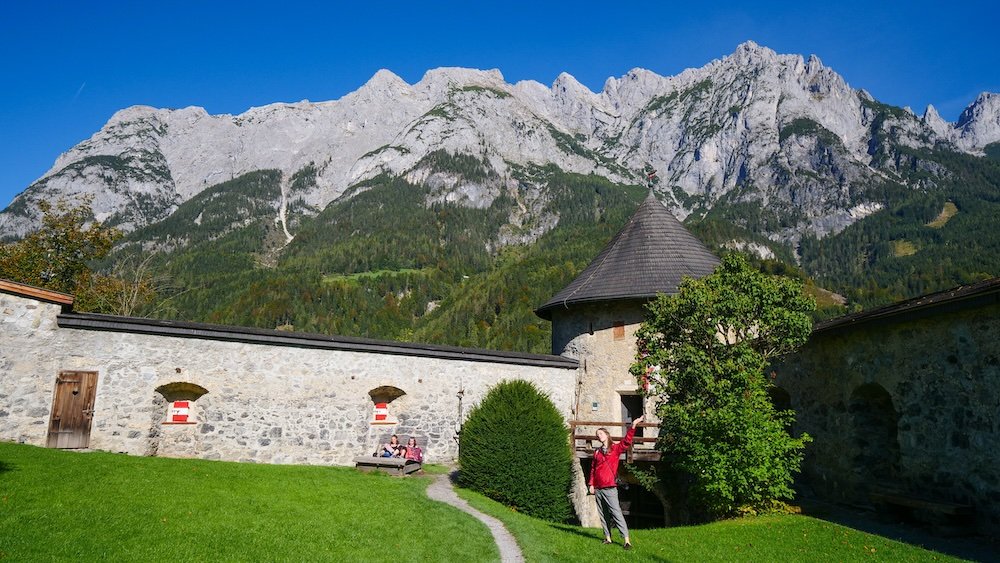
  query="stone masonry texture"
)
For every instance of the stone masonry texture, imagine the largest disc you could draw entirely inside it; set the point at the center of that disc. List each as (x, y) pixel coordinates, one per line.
(265, 403)
(910, 403)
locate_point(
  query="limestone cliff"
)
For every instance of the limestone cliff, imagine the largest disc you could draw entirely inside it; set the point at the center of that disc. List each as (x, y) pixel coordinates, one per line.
(754, 128)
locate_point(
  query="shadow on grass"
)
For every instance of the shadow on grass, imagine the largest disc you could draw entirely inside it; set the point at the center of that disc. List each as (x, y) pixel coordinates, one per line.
(5, 467)
(573, 530)
(596, 538)
(971, 548)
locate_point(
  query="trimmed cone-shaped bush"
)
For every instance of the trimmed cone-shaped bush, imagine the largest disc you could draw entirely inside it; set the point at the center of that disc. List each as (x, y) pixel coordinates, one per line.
(514, 448)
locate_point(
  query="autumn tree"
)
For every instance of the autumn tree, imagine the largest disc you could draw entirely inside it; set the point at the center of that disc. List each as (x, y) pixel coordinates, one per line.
(58, 255)
(703, 356)
(130, 288)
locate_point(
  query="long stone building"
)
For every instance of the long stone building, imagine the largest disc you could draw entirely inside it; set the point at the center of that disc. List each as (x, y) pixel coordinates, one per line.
(908, 394)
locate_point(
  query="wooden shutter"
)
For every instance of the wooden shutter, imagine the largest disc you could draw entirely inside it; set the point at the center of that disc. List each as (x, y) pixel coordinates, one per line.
(619, 330)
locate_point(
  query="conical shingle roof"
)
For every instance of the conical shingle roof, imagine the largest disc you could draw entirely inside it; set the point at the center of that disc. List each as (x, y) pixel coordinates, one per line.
(650, 255)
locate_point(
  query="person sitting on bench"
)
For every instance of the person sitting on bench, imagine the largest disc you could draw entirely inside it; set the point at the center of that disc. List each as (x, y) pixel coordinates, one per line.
(393, 448)
(412, 451)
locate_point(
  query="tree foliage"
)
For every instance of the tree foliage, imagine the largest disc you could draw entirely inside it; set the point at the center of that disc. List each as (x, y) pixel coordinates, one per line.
(129, 289)
(514, 448)
(703, 354)
(58, 255)
(61, 256)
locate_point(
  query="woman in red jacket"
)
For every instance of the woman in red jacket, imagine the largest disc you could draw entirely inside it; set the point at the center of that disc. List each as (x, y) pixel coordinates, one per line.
(604, 481)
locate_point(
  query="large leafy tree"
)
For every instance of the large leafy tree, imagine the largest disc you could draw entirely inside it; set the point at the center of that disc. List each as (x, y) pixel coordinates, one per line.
(59, 256)
(703, 356)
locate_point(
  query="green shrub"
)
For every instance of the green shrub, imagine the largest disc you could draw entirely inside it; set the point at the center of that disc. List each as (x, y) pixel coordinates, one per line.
(514, 448)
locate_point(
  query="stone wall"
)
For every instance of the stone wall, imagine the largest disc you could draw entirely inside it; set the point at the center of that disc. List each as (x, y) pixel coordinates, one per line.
(911, 401)
(265, 403)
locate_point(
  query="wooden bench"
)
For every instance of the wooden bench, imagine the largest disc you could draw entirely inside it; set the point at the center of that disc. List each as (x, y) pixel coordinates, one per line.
(945, 517)
(391, 465)
(941, 507)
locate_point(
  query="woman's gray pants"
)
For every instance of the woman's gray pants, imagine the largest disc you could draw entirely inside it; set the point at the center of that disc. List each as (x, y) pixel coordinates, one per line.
(610, 511)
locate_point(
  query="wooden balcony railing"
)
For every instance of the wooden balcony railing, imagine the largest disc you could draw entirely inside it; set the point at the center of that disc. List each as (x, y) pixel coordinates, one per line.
(585, 431)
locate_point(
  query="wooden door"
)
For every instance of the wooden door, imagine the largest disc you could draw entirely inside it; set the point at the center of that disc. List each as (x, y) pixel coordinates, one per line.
(631, 410)
(72, 409)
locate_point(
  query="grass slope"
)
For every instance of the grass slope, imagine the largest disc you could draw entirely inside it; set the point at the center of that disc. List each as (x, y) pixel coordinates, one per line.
(99, 506)
(765, 538)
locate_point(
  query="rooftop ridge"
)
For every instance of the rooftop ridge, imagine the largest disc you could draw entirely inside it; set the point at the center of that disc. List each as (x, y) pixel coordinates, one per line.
(253, 335)
(651, 254)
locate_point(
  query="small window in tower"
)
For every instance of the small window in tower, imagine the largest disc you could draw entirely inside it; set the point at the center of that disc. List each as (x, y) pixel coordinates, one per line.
(619, 330)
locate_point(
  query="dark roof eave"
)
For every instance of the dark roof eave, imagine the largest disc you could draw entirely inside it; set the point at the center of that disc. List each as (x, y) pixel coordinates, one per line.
(913, 305)
(545, 311)
(134, 325)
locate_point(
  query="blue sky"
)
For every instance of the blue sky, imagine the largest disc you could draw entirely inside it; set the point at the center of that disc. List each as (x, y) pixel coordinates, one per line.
(67, 66)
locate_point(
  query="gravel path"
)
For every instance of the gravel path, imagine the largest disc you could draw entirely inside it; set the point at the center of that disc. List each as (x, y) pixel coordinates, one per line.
(441, 490)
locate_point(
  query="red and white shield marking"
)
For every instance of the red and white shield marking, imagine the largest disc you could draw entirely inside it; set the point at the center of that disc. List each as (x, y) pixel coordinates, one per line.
(179, 411)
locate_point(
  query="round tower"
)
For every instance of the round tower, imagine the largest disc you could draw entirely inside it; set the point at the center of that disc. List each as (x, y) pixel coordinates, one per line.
(595, 317)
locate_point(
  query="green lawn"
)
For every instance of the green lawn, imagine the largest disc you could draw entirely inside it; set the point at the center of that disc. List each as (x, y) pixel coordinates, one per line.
(766, 538)
(100, 506)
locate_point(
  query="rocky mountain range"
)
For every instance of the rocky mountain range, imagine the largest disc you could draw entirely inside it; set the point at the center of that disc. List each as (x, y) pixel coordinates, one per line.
(447, 210)
(756, 129)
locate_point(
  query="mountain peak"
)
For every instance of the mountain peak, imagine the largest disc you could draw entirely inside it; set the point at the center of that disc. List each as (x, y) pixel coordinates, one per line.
(750, 50)
(383, 84)
(984, 101)
(132, 113)
(749, 46)
(385, 79)
(814, 65)
(566, 82)
(460, 75)
(935, 122)
(979, 124)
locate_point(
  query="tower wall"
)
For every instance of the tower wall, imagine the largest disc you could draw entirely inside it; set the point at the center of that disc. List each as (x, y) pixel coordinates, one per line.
(602, 338)
(587, 333)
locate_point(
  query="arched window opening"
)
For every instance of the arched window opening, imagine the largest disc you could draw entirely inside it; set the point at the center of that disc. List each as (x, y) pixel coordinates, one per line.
(875, 438)
(780, 398)
(381, 398)
(782, 401)
(180, 396)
